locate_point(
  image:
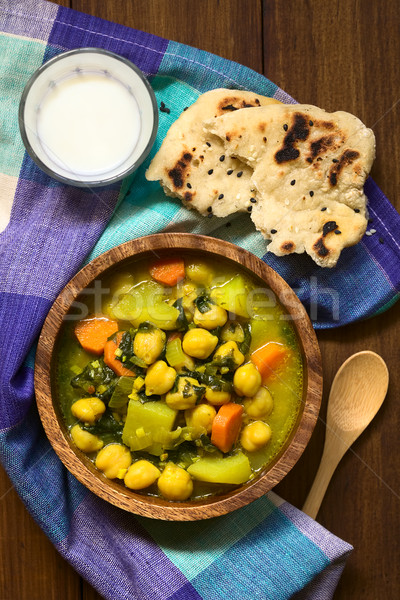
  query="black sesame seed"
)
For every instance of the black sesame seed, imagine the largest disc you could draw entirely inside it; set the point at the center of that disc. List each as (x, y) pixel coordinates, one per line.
(209, 215)
(189, 185)
(209, 209)
(229, 172)
(324, 208)
(285, 127)
(337, 231)
(293, 182)
(264, 139)
(222, 158)
(274, 230)
(381, 240)
(220, 197)
(253, 200)
(186, 107)
(335, 160)
(370, 220)
(357, 210)
(249, 208)
(228, 224)
(208, 144)
(211, 171)
(239, 174)
(310, 123)
(311, 194)
(164, 109)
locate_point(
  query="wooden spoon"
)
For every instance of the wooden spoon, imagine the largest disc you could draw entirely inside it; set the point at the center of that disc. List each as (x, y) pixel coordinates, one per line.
(357, 393)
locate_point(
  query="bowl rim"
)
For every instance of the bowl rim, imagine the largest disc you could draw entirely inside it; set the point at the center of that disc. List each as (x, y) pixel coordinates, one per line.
(115, 493)
(70, 180)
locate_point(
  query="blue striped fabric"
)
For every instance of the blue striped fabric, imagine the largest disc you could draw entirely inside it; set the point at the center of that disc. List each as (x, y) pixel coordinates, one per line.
(268, 550)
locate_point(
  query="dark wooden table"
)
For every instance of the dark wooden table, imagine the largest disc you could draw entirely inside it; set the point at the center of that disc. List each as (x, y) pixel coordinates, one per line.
(340, 55)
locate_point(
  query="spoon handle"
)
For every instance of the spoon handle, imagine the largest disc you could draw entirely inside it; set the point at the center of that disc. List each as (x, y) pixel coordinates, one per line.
(331, 457)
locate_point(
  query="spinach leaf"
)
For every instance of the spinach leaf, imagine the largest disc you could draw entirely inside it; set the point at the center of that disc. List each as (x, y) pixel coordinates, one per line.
(181, 322)
(107, 428)
(203, 303)
(143, 398)
(244, 347)
(96, 379)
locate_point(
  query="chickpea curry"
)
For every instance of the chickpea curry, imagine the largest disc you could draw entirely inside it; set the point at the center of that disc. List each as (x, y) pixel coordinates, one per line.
(179, 378)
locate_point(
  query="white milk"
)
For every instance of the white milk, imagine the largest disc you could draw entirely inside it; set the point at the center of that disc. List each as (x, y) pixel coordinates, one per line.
(88, 124)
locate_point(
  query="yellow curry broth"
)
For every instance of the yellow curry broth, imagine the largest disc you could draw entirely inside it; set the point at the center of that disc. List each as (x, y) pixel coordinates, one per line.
(248, 303)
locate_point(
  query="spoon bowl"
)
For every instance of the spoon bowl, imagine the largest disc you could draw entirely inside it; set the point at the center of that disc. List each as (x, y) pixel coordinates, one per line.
(358, 391)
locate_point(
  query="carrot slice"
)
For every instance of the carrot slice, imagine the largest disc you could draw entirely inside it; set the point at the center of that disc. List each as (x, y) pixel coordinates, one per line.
(168, 271)
(226, 426)
(110, 359)
(93, 332)
(268, 358)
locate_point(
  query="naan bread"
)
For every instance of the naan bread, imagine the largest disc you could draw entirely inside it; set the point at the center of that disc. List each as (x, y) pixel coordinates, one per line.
(191, 163)
(309, 169)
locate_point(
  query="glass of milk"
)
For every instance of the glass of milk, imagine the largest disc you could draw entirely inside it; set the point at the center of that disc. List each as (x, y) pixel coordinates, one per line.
(88, 117)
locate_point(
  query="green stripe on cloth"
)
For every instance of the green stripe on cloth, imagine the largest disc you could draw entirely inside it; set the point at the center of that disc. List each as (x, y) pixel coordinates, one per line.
(207, 540)
(241, 572)
(19, 59)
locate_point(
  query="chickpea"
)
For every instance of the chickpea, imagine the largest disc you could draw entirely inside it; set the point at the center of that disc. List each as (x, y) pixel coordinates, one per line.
(148, 345)
(141, 474)
(247, 380)
(200, 417)
(255, 435)
(216, 397)
(88, 410)
(87, 442)
(229, 350)
(188, 393)
(200, 273)
(260, 405)
(175, 483)
(199, 343)
(214, 317)
(112, 459)
(160, 378)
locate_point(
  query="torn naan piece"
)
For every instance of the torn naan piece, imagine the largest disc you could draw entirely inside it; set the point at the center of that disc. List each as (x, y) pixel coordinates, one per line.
(191, 163)
(309, 169)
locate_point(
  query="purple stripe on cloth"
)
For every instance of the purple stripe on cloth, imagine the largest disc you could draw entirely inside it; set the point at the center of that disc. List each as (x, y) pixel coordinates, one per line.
(187, 592)
(16, 381)
(131, 564)
(29, 18)
(73, 30)
(51, 230)
(384, 245)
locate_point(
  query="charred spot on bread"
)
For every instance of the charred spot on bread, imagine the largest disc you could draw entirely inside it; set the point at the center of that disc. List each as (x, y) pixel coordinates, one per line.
(288, 247)
(328, 227)
(231, 103)
(320, 146)
(188, 196)
(298, 132)
(177, 173)
(347, 158)
(320, 248)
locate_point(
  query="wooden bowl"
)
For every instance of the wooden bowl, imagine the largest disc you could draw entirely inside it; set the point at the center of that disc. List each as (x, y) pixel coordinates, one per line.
(81, 466)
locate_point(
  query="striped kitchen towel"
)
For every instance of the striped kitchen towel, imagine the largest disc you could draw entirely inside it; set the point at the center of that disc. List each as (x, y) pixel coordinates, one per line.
(267, 550)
